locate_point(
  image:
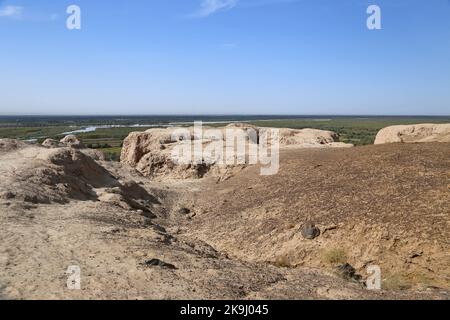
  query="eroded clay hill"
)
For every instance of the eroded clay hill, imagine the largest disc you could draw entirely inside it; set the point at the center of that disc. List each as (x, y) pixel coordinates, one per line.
(34, 175)
(151, 152)
(417, 133)
(386, 205)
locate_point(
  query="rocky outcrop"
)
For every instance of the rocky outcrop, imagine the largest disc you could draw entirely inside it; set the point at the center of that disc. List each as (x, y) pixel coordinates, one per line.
(37, 175)
(151, 152)
(310, 138)
(8, 145)
(51, 143)
(72, 141)
(414, 133)
(43, 175)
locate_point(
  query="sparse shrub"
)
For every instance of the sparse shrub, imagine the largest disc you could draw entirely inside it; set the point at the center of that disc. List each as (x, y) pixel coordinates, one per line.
(283, 262)
(395, 282)
(424, 280)
(112, 156)
(334, 256)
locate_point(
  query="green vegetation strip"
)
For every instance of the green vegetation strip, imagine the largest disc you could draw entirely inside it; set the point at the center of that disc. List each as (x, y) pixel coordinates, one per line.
(358, 131)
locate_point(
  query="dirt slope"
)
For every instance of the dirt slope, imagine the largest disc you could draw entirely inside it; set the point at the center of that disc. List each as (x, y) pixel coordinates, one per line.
(387, 205)
(132, 241)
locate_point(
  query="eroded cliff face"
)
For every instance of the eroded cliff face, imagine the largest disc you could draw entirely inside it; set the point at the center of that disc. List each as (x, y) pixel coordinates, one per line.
(151, 152)
(414, 133)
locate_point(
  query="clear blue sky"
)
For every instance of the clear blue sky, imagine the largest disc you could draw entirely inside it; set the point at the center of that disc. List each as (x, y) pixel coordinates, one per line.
(225, 57)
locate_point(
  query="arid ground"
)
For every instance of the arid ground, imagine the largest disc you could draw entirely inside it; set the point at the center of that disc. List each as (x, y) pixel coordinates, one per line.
(240, 238)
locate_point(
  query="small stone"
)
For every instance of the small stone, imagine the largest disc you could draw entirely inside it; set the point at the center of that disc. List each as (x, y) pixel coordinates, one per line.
(184, 211)
(8, 195)
(415, 254)
(159, 263)
(347, 272)
(310, 231)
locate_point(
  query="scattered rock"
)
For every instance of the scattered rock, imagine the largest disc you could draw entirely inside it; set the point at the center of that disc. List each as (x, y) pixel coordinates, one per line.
(159, 263)
(149, 215)
(159, 228)
(415, 254)
(329, 228)
(347, 272)
(310, 231)
(184, 211)
(7, 195)
(116, 230)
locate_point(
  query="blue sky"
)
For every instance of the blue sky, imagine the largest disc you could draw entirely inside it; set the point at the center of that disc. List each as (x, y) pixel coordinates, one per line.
(225, 57)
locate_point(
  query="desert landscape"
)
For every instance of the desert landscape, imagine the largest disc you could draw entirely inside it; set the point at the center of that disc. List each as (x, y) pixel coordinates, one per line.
(225, 158)
(146, 228)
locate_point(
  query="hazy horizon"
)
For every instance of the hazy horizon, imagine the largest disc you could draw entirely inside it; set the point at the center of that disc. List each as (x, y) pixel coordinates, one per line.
(231, 115)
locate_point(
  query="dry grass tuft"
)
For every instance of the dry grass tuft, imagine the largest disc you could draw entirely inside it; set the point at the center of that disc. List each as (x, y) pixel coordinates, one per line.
(334, 256)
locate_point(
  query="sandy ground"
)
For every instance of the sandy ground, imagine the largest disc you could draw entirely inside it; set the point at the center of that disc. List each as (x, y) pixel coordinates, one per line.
(226, 245)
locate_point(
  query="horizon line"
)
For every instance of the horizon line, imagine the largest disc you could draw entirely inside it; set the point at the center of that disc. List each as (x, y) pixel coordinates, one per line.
(223, 115)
